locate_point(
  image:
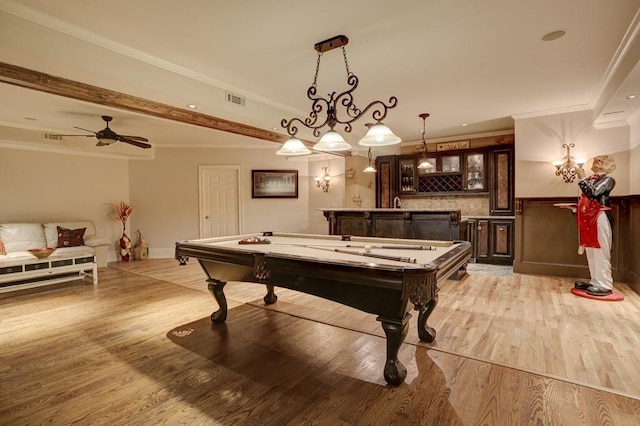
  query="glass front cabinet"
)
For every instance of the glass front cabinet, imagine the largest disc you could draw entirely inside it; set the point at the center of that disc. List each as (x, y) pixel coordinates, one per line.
(442, 173)
(475, 172)
(407, 169)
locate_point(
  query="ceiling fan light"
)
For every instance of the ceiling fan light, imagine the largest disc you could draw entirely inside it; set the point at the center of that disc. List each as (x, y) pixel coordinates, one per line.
(106, 140)
(379, 135)
(292, 147)
(332, 141)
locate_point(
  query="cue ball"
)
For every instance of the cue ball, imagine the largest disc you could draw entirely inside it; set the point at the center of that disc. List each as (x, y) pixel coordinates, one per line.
(367, 249)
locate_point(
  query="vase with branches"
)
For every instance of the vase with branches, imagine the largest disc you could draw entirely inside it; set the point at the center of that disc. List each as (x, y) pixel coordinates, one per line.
(122, 212)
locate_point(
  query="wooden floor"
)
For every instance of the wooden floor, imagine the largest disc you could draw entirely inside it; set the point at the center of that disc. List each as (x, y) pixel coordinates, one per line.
(140, 349)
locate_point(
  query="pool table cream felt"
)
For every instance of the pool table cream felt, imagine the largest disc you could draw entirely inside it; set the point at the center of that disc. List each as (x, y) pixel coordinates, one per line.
(321, 247)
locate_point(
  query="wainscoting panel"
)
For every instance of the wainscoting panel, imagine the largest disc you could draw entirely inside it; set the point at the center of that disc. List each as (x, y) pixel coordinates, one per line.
(547, 239)
(633, 272)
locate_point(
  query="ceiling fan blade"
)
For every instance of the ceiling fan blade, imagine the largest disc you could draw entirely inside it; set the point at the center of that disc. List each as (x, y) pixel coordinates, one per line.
(132, 142)
(86, 130)
(135, 138)
(85, 136)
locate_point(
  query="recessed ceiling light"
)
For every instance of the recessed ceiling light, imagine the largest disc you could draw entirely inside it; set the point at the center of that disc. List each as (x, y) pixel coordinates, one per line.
(274, 128)
(553, 35)
(192, 106)
(633, 96)
(465, 124)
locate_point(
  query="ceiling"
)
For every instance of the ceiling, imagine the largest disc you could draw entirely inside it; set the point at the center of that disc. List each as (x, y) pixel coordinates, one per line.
(482, 64)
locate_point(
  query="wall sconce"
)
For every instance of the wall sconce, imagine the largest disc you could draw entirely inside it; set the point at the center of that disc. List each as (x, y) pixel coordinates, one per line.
(568, 167)
(322, 182)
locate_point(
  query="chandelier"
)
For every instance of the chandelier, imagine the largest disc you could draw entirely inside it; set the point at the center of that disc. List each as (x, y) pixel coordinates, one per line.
(324, 113)
(568, 167)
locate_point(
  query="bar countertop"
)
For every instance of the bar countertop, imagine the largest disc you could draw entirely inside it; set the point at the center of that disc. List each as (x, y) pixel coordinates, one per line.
(374, 209)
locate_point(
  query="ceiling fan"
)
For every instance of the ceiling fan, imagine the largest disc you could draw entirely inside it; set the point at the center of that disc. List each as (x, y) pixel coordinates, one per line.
(107, 136)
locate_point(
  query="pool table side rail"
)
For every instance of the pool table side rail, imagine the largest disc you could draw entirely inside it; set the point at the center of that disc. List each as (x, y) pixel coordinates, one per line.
(236, 264)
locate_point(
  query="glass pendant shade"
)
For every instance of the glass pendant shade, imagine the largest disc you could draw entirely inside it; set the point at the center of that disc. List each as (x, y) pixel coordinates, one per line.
(293, 146)
(379, 135)
(332, 141)
(424, 164)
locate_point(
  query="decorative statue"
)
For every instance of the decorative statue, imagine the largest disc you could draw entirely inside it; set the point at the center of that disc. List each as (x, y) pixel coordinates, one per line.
(594, 226)
(141, 248)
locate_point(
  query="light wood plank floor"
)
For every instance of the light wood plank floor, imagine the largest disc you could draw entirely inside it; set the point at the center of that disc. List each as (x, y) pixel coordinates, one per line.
(140, 349)
(528, 322)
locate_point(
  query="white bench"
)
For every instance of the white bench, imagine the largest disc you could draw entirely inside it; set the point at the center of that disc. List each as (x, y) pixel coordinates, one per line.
(18, 273)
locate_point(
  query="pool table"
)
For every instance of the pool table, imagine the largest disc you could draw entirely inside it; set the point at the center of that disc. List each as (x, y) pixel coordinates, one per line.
(380, 276)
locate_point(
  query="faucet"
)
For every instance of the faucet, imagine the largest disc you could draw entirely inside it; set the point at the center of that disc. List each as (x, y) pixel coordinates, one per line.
(396, 202)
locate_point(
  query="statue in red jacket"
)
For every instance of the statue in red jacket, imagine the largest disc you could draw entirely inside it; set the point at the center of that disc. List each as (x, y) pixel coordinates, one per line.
(594, 225)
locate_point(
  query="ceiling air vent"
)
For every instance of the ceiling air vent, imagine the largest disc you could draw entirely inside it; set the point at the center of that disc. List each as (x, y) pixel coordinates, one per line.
(232, 98)
(52, 137)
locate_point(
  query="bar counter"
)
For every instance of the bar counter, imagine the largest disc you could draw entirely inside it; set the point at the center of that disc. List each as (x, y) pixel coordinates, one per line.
(397, 223)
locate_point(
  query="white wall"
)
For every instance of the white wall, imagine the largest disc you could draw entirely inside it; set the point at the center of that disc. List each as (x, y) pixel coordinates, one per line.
(539, 142)
(165, 194)
(45, 187)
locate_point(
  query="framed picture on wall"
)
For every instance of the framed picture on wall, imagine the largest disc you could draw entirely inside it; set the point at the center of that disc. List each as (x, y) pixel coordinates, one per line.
(274, 184)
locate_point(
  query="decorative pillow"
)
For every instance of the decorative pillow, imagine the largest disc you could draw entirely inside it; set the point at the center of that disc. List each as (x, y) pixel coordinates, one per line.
(70, 237)
(3, 250)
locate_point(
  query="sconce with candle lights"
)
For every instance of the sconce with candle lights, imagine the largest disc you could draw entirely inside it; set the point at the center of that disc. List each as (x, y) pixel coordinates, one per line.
(569, 167)
(322, 182)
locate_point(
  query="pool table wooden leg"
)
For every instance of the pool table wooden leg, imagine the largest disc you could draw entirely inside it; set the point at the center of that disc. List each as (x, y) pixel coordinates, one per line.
(396, 331)
(216, 288)
(270, 297)
(426, 333)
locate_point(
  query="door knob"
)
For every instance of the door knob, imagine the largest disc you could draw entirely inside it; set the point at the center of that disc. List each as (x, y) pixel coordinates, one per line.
(207, 217)
(479, 227)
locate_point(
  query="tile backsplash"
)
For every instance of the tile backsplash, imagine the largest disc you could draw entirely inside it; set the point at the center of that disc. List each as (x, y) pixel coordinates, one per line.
(469, 206)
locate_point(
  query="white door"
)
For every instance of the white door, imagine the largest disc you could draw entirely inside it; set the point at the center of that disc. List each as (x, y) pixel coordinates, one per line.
(219, 201)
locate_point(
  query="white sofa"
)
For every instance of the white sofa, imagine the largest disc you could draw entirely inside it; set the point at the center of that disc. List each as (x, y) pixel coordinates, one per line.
(21, 269)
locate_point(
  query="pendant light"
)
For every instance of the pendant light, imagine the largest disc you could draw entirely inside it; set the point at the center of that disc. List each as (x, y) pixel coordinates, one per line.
(424, 163)
(379, 135)
(293, 146)
(370, 168)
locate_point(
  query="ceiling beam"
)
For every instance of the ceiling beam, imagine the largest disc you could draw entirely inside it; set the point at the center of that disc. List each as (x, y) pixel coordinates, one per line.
(35, 80)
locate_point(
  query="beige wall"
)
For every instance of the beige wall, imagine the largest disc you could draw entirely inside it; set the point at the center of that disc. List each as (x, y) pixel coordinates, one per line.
(44, 187)
(334, 197)
(165, 194)
(539, 142)
(362, 186)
